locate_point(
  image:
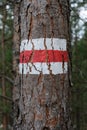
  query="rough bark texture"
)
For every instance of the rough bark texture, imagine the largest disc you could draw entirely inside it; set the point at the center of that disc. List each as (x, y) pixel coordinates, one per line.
(41, 102)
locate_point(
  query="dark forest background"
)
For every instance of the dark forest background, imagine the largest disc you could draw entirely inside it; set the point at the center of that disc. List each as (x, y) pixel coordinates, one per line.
(79, 64)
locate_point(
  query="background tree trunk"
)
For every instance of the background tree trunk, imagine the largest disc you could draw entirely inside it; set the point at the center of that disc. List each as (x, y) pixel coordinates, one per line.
(3, 70)
(41, 101)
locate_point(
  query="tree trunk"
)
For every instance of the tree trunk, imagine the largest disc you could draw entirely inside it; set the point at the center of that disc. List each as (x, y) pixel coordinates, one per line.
(41, 91)
(3, 70)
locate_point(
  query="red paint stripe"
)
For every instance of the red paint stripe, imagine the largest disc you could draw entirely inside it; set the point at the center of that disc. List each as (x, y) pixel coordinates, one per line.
(43, 56)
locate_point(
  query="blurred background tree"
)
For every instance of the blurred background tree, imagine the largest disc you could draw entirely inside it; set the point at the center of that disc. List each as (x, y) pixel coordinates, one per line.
(6, 76)
(79, 64)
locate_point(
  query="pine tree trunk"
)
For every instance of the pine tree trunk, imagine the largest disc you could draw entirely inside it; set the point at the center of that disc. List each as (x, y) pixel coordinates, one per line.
(41, 91)
(3, 70)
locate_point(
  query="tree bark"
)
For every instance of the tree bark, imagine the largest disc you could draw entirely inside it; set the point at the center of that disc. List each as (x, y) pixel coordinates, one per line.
(41, 99)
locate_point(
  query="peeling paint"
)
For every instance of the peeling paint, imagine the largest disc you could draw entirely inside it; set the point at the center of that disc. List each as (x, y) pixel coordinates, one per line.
(46, 56)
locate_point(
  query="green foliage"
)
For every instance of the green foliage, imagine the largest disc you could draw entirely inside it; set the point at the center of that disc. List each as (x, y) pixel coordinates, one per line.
(6, 34)
(79, 77)
(79, 66)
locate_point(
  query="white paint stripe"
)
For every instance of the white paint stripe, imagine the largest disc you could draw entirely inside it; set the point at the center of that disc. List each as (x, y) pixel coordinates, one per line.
(36, 68)
(38, 44)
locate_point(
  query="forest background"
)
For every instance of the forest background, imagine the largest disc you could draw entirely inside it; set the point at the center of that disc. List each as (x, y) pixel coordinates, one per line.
(79, 64)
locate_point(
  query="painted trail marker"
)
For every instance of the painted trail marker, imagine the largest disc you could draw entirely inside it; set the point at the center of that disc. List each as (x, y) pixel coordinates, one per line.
(43, 56)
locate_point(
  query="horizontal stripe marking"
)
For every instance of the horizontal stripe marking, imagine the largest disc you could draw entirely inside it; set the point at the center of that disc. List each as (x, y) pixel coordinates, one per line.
(37, 68)
(43, 44)
(43, 56)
